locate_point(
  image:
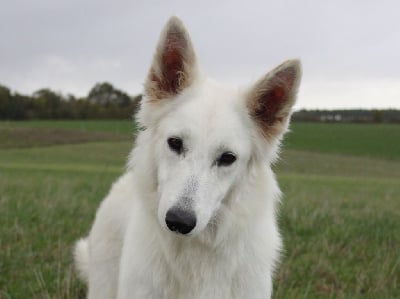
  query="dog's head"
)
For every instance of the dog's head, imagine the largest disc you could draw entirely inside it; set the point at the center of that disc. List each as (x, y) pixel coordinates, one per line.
(204, 136)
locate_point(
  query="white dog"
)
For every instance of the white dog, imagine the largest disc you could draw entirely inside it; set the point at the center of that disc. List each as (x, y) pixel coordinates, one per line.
(194, 216)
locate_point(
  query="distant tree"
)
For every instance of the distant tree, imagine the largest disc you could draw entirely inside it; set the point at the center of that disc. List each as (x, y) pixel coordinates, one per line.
(4, 92)
(377, 116)
(12, 106)
(20, 106)
(136, 103)
(103, 102)
(5, 101)
(47, 103)
(82, 108)
(105, 94)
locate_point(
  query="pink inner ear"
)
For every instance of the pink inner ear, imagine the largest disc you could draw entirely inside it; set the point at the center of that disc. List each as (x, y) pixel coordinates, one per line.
(272, 98)
(270, 104)
(172, 67)
(277, 94)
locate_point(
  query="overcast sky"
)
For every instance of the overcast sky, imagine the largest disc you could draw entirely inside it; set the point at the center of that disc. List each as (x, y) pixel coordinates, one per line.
(350, 50)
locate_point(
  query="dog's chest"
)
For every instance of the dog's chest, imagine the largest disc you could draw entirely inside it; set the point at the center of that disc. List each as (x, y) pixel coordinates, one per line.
(196, 272)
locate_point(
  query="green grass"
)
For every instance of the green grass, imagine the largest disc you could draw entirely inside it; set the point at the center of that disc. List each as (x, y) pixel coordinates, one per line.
(340, 214)
(13, 137)
(341, 237)
(48, 198)
(372, 140)
(125, 127)
(42, 213)
(340, 217)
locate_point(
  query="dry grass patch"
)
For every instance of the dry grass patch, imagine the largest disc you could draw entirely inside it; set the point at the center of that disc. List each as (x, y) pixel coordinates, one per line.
(22, 137)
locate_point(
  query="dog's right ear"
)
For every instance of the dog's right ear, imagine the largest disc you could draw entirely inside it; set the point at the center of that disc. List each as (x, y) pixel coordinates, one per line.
(174, 64)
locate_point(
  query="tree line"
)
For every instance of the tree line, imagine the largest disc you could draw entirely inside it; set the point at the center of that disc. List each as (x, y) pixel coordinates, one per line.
(103, 101)
(349, 116)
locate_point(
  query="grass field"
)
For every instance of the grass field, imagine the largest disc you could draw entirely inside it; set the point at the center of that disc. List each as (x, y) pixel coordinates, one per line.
(340, 216)
(372, 140)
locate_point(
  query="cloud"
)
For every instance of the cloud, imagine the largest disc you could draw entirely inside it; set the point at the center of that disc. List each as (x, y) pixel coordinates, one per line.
(349, 49)
(354, 93)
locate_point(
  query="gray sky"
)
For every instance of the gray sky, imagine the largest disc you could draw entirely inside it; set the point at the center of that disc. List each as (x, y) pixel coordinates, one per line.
(350, 49)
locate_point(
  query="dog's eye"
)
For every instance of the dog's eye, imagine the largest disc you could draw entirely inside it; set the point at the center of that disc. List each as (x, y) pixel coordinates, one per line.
(226, 159)
(175, 144)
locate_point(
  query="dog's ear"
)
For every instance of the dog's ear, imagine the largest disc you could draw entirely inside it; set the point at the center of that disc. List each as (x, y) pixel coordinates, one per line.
(271, 100)
(174, 64)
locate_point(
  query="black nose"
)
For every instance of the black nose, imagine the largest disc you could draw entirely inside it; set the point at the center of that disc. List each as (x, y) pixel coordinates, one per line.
(181, 221)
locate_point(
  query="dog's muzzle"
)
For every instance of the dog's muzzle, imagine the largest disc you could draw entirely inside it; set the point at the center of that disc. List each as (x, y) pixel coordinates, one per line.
(180, 221)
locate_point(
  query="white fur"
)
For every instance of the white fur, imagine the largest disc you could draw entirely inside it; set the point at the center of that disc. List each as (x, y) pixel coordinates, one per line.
(233, 249)
(81, 255)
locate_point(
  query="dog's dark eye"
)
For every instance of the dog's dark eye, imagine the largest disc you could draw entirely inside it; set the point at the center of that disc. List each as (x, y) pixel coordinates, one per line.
(175, 144)
(226, 159)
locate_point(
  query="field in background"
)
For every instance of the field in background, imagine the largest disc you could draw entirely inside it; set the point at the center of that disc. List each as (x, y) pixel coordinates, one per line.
(340, 214)
(370, 140)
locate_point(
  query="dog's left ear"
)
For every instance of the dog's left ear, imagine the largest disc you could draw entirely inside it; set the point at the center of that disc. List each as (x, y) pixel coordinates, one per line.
(174, 64)
(271, 100)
